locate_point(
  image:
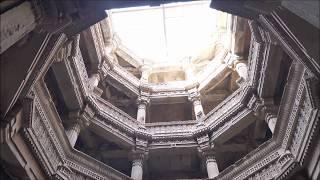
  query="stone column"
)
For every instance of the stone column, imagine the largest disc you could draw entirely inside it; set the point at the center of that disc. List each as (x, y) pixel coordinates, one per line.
(73, 127)
(207, 152)
(145, 72)
(73, 131)
(137, 166)
(242, 70)
(142, 107)
(271, 120)
(198, 109)
(239, 41)
(197, 106)
(94, 80)
(212, 166)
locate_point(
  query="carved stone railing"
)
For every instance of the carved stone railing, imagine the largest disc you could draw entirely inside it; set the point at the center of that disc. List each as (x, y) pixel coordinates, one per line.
(176, 128)
(215, 73)
(115, 113)
(226, 107)
(166, 94)
(124, 79)
(129, 77)
(112, 120)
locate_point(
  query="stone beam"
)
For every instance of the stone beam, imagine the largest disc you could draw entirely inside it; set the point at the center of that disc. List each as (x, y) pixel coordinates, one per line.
(94, 46)
(128, 56)
(240, 39)
(234, 127)
(66, 83)
(296, 37)
(246, 8)
(270, 68)
(218, 95)
(232, 147)
(114, 154)
(215, 78)
(14, 27)
(34, 58)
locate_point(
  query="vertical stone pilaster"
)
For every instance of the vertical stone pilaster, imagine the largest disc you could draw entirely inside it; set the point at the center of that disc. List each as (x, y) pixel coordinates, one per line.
(94, 80)
(137, 165)
(212, 166)
(137, 169)
(207, 152)
(197, 106)
(142, 108)
(145, 72)
(271, 120)
(76, 123)
(242, 70)
(73, 131)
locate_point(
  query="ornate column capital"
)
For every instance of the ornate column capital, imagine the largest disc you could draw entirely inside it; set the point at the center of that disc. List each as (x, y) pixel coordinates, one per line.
(209, 156)
(239, 61)
(193, 95)
(143, 100)
(81, 117)
(211, 163)
(138, 157)
(204, 144)
(94, 79)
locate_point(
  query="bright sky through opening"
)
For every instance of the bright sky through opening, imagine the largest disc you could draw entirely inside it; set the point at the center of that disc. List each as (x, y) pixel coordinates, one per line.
(170, 32)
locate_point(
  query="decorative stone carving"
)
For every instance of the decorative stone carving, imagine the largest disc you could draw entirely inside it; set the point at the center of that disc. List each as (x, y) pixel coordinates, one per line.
(194, 96)
(142, 102)
(242, 70)
(41, 136)
(266, 161)
(63, 173)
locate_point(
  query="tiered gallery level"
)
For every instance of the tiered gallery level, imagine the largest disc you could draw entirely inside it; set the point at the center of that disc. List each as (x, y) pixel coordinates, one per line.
(76, 103)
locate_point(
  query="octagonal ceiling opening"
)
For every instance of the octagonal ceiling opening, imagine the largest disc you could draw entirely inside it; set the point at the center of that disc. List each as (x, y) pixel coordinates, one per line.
(174, 33)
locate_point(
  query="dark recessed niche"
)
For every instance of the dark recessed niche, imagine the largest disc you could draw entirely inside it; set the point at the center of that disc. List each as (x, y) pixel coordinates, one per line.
(55, 93)
(170, 112)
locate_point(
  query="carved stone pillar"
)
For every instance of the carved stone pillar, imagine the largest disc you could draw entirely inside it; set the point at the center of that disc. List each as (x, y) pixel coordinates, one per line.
(212, 166)
(206, 149)
(137, 165)
(271, 120)
(142, 107)
(94, 80)
(198, 109)
(239, 41)
(242, 70)
(73, 131)
(197, 106)
(73, 127)
(145, 72)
